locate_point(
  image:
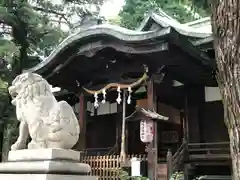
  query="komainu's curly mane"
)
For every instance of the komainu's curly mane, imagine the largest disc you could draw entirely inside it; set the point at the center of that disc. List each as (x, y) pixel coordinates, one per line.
(50, 123)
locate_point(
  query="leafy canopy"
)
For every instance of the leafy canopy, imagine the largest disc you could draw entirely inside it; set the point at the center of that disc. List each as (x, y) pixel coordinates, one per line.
(184, 11)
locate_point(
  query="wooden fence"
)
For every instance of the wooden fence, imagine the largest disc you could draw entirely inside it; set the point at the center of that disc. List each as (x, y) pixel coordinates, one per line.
(107, 167)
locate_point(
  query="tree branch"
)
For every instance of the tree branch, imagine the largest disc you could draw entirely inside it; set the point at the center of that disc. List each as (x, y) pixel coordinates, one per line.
(62, 15)
(58, 21)
(7, 23)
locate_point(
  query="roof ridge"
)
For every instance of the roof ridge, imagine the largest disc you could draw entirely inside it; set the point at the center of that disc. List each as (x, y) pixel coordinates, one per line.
(161, 12)
(198, 21)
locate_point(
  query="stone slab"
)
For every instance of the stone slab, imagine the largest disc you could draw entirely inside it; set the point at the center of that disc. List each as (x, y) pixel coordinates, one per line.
(43, 154)
(41, 167)
(45, 177)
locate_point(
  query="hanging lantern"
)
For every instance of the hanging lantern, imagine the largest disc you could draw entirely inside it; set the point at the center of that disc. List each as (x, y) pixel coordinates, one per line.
(146, 131)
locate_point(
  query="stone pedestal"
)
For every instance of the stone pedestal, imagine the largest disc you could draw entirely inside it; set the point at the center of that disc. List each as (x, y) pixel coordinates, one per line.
(45, 164)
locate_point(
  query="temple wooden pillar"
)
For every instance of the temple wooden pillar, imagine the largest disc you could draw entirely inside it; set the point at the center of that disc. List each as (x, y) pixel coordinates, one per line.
(185, 119)
(118, 134)
(152, 147)
(82, 123)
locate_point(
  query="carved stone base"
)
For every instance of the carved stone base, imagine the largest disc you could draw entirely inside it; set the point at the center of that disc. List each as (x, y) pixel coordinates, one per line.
(45, 164)
(43, 154)
(45, 177)
(45, 167)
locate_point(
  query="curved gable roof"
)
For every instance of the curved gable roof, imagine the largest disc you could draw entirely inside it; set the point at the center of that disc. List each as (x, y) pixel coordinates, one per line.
(200, 29)
(185, 36)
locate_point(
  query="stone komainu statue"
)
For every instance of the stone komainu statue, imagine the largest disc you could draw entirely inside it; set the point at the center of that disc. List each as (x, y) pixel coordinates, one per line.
(49, 123)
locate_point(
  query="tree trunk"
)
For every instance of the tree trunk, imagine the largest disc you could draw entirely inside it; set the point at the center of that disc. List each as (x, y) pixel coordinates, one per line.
(226, 31)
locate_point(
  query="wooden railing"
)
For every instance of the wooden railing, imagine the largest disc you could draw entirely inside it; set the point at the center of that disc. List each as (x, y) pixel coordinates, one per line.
(175, 162)
(196, 152)
(208, 151)
(178, 157)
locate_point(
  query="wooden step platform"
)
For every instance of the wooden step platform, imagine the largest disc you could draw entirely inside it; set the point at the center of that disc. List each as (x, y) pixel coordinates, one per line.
(216, 177)
(209, 157)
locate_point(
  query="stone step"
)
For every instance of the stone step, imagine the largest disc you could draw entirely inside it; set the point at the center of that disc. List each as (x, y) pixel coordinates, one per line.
(44, 154)
(45, 164)
(215, 177)
(41, 167)
(45, 177)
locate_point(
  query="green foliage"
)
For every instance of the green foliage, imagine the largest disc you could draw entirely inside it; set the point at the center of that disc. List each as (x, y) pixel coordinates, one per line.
(133, 11)
(115, 21)
(177, 176)
(10, 130)
(202, 4)
(123, 175)
(8, 50)
(36, 26)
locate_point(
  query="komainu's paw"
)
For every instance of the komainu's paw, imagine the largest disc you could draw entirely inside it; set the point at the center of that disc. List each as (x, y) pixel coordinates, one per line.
(18, 145)
(38, 145)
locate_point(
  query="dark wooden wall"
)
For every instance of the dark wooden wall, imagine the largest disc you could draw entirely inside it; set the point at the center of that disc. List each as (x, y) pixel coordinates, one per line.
(164, 146)
(194, 109)
(101, 131)
(205, 119)
(205, 124)
(212, 124)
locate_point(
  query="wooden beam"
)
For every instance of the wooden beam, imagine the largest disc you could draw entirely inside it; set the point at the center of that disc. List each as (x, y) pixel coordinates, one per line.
(114, 74)
(152, 147)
